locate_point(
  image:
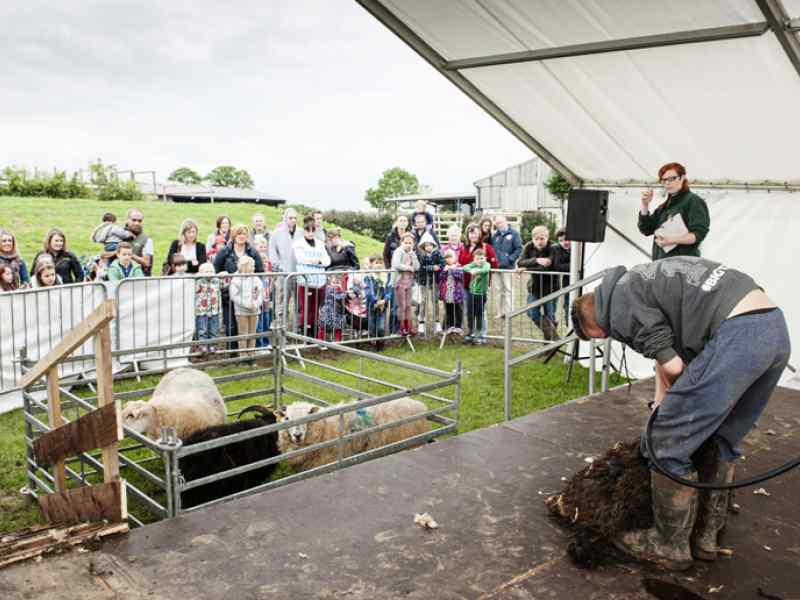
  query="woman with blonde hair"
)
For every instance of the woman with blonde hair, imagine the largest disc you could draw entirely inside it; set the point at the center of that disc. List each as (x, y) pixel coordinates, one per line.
(193, 251)
(66, 264)
(10, 256)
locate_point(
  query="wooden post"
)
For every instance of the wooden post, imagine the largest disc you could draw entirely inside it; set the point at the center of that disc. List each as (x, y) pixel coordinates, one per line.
(54, 416)
(105, 395)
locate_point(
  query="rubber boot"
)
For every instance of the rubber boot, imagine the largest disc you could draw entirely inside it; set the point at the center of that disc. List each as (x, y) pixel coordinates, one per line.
(667, 542)
(713, 508)
(549, 329)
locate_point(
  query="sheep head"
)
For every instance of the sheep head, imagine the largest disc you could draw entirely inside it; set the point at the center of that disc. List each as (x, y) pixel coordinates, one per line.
(139, 416)
(296, 434)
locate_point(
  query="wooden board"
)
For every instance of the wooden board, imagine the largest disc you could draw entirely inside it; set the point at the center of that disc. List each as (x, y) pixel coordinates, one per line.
(87, 503)
(74, 338)
(55, 421)
(105, 396)
(35, 541)
(96, 429)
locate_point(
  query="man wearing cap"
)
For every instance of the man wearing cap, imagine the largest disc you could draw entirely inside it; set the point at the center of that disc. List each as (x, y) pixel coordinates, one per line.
(720, 346)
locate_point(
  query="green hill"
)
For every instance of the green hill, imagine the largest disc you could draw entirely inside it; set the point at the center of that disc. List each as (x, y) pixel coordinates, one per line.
(31, 218)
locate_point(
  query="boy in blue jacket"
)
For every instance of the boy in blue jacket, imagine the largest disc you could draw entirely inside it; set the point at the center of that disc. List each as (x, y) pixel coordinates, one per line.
(379, 299)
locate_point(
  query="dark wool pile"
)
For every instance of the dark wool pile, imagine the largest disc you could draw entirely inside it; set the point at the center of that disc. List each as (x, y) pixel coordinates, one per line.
(609, 496)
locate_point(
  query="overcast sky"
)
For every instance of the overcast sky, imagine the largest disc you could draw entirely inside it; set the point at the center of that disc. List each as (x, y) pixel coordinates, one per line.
(314, 98)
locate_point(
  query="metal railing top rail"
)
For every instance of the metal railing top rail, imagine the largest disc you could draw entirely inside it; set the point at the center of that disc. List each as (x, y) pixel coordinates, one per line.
(557, 294)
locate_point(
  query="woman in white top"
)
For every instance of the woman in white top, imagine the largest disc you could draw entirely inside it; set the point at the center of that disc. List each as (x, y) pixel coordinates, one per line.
(193, 251)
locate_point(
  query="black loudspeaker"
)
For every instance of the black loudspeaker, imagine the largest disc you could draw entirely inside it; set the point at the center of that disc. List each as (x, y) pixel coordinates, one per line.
(586, 215)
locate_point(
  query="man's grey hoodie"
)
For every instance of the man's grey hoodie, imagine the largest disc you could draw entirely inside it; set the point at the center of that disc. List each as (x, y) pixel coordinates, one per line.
(281, 253)
(670, 307)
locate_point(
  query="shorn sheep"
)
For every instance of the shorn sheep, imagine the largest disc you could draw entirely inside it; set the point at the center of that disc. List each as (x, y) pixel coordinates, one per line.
(308, 434)
(186, 399)
(224, 458)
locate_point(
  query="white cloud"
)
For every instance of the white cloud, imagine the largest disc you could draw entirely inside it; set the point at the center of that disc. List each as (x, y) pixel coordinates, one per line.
(314, 98)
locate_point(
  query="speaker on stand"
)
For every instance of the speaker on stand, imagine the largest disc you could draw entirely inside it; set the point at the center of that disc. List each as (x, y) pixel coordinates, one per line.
(586, 222)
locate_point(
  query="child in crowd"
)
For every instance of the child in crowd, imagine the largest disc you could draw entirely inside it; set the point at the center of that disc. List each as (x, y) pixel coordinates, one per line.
(8, 279)
(110, 235)
(247, 296)
(124, 267)
(332, 313)
(207, 306)
(478, 287)
(404, 264)
(265, 317)
(561, 264)
(537, 257)
(451, 292)
(430, 263)
(357, 302)
(44, 274)
(178, 265)
(379, 299)
(219, 244)
(421, 208)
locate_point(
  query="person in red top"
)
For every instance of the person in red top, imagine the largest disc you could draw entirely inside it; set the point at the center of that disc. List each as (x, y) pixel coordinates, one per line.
(465, 257)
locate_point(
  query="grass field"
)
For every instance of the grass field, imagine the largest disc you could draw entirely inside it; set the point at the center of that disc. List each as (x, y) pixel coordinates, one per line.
(31, 218)
(535, 385)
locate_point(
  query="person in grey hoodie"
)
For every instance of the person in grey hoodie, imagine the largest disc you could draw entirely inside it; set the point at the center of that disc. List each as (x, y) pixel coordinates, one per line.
(281, 255)
(720, 346)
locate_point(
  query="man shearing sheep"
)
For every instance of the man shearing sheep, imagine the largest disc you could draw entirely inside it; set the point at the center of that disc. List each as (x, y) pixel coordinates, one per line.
(720, 346)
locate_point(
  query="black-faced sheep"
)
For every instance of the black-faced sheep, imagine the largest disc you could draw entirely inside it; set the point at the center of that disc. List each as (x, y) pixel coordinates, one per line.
(186, 399)
(307, 434)
(228, 457)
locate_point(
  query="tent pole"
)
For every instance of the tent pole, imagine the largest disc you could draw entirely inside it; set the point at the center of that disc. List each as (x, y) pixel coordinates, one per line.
(782, 27)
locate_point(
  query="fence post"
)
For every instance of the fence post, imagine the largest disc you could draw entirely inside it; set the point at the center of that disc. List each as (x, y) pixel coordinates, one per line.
(507, 368)
(592, 356)
(606, 363)
(458, 393)
(55, 421)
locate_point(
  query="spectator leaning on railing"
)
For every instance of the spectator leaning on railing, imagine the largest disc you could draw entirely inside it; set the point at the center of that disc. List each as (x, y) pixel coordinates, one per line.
(66, 264)
(507, 245)
(10, 256)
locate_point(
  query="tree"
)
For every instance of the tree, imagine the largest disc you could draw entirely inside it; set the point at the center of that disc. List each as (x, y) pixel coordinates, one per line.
(228, 176)
(393, 183)
(558, 186)
(185, 175)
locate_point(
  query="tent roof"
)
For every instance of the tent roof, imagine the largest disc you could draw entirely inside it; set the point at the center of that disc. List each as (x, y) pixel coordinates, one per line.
(606, 92)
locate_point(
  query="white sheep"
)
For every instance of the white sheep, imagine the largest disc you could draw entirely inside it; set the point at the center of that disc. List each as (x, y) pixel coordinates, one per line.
(307, 434)
(186, 399)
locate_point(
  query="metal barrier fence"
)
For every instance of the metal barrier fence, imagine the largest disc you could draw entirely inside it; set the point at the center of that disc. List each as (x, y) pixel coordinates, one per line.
(151, 468)
(33, 321)
(509, 341)
(160, 321)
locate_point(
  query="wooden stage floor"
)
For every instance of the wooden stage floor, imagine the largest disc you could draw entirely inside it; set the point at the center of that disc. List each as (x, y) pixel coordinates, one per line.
(350, 534)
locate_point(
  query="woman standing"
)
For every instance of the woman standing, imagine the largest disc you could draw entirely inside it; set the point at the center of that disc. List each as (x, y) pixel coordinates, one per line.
(187, 245)
(485, 225)
(392, 242)
(680, 201)
(342, 253)
(227, 261)
(10, 256)
(220, 236)
(67, 266)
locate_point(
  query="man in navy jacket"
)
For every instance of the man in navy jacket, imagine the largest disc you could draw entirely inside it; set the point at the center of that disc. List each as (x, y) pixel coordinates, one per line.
(507, 245)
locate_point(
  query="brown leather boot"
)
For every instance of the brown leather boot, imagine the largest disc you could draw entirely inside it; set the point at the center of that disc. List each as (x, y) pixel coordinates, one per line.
(713, 510)
(667, 542)
(549, 329)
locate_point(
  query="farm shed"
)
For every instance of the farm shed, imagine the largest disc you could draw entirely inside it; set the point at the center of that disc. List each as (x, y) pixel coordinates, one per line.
(177, 192)
(517, 189)
(605, 93)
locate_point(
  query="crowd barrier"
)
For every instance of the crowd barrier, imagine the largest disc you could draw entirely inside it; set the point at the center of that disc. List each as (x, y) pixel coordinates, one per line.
(156, 324)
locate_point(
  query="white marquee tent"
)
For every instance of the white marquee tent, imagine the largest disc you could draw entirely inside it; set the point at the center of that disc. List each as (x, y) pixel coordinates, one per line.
(606, 91)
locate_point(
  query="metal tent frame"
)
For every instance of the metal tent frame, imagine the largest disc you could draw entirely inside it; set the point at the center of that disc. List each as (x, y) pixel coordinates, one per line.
(776, 20)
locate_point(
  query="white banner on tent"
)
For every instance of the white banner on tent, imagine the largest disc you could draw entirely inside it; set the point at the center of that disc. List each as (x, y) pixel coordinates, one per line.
(750, 231)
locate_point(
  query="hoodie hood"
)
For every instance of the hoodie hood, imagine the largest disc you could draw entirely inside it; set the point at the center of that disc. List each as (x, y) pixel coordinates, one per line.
(289, 212)
(427, 238)
(602, 297)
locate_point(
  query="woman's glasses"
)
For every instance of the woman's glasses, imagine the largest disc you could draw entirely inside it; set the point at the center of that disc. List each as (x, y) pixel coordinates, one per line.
(670, 179)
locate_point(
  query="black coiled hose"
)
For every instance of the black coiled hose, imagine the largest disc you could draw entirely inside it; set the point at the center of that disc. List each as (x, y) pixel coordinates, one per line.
(714, 485)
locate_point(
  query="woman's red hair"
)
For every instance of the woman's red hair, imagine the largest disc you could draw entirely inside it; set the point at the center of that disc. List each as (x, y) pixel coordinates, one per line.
(679, 169)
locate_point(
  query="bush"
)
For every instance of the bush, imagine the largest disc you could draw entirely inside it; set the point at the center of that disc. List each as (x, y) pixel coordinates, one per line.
(126, 191)
(375, 225)
(532, 218)
(18, 183)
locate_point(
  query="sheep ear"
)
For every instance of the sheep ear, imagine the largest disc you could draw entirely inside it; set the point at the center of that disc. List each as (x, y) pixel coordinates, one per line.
(313, 410)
